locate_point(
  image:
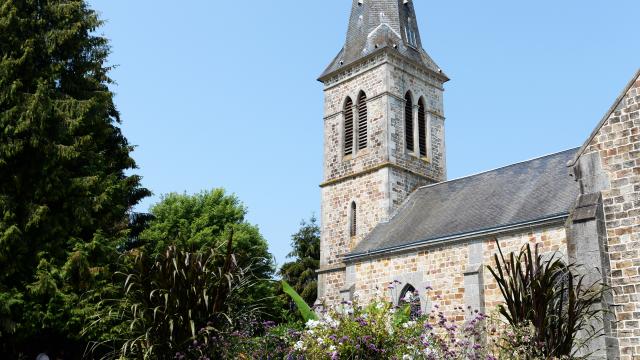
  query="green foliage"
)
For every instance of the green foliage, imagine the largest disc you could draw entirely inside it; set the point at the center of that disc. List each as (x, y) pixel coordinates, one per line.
(305, 310)
(200, 222)
(301, 272)
(64, 194)
(550, 296)
(253, 340)
(378, 330)
(172, 300)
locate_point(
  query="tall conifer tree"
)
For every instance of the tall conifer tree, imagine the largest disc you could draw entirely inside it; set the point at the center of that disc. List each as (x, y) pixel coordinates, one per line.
(64, 194)
(301, 272)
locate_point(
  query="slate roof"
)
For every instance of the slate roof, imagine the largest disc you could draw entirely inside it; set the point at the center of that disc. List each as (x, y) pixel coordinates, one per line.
(380, 24)
(521, 193)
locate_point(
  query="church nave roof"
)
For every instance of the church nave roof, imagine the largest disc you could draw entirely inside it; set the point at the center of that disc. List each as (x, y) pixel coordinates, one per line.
(525, 193)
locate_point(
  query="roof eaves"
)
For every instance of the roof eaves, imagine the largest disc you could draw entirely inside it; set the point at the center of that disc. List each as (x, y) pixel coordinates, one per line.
(552, 219)
(389, 50)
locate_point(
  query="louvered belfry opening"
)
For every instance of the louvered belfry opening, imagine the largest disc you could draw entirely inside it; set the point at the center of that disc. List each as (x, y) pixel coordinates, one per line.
(348, 127)
(422, 128)
(362, 121)
(354, 220)
(408, 121)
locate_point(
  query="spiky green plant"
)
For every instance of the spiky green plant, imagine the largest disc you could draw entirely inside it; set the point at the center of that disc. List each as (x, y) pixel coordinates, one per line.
(172, 300)
(552, 296)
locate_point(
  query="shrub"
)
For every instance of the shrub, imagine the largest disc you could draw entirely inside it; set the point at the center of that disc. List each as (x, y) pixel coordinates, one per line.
(252, 340)
(550, 297)
(380, 330)
(172, 300)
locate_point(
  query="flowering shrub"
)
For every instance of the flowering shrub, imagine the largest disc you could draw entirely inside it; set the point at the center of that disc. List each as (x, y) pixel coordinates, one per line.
(253, 340)
(380, 330)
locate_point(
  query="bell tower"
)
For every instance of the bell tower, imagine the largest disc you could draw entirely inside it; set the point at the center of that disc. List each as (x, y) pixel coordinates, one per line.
(383, 130)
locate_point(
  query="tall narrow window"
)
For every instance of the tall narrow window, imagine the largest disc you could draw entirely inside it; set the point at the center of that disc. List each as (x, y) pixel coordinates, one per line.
(348, 127)
(422, 127)
(408, 121)
(362, 121)
(354, 220)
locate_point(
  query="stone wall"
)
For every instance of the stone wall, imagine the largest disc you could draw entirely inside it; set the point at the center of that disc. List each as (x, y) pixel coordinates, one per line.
(617, 146)
(372, 82)
(370, 193)
(331, 283)
(380, 177)
(406, 77)
(447, 267)
(385, 82)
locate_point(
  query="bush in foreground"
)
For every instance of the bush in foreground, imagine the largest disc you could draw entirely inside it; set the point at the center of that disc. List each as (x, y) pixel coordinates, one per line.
(380, 330)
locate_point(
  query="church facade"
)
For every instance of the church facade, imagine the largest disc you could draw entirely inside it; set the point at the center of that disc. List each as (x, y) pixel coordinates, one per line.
(389, 213)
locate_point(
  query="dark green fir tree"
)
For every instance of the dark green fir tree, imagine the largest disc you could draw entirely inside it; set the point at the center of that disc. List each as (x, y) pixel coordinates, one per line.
(300, 273)
(65, 196)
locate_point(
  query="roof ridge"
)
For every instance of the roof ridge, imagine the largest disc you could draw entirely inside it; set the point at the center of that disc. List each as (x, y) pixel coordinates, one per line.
(498, 168)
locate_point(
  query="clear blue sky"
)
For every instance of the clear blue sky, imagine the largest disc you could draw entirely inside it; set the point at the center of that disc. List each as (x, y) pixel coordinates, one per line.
(223, 93)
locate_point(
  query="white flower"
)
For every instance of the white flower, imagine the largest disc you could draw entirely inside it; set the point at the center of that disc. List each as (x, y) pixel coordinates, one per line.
(379, 305)
(407, 357)
(408, 297)
(379, 293)
(331, 322)
(312, 324)
(320, 341)
(408, 324)
(299, 346)
(388, 325)
(332, 348)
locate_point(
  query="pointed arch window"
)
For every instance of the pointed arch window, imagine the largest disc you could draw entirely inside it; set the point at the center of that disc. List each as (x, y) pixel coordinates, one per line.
(348, 127)
(408, 121)
(362, 121)
(410, 296)
(353, 226)
(422, 128)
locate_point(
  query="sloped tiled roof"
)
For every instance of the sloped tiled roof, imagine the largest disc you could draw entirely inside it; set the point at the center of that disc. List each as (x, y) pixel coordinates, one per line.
(521, 193)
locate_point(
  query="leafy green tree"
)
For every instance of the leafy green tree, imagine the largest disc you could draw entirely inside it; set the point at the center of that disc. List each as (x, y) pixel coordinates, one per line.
(64, 194)
(301, 272)
(199, 222)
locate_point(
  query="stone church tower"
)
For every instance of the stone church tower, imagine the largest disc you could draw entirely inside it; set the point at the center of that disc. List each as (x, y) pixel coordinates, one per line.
(383, 130)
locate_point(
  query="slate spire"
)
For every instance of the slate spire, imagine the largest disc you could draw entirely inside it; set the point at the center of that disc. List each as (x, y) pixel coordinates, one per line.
(376, 24)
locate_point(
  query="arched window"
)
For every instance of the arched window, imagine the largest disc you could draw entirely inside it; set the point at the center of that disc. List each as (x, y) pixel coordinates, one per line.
(362, 121)
(409, 296)
(354, 220)
(348, 127)
(408, 121)
(422, 127)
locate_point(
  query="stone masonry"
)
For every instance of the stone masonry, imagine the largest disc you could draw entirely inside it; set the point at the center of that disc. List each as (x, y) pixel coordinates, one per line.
(612, 157)
(443, 267)
(380, 177)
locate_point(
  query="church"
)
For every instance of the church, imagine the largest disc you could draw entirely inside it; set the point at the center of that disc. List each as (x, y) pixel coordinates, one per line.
(389, 213)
